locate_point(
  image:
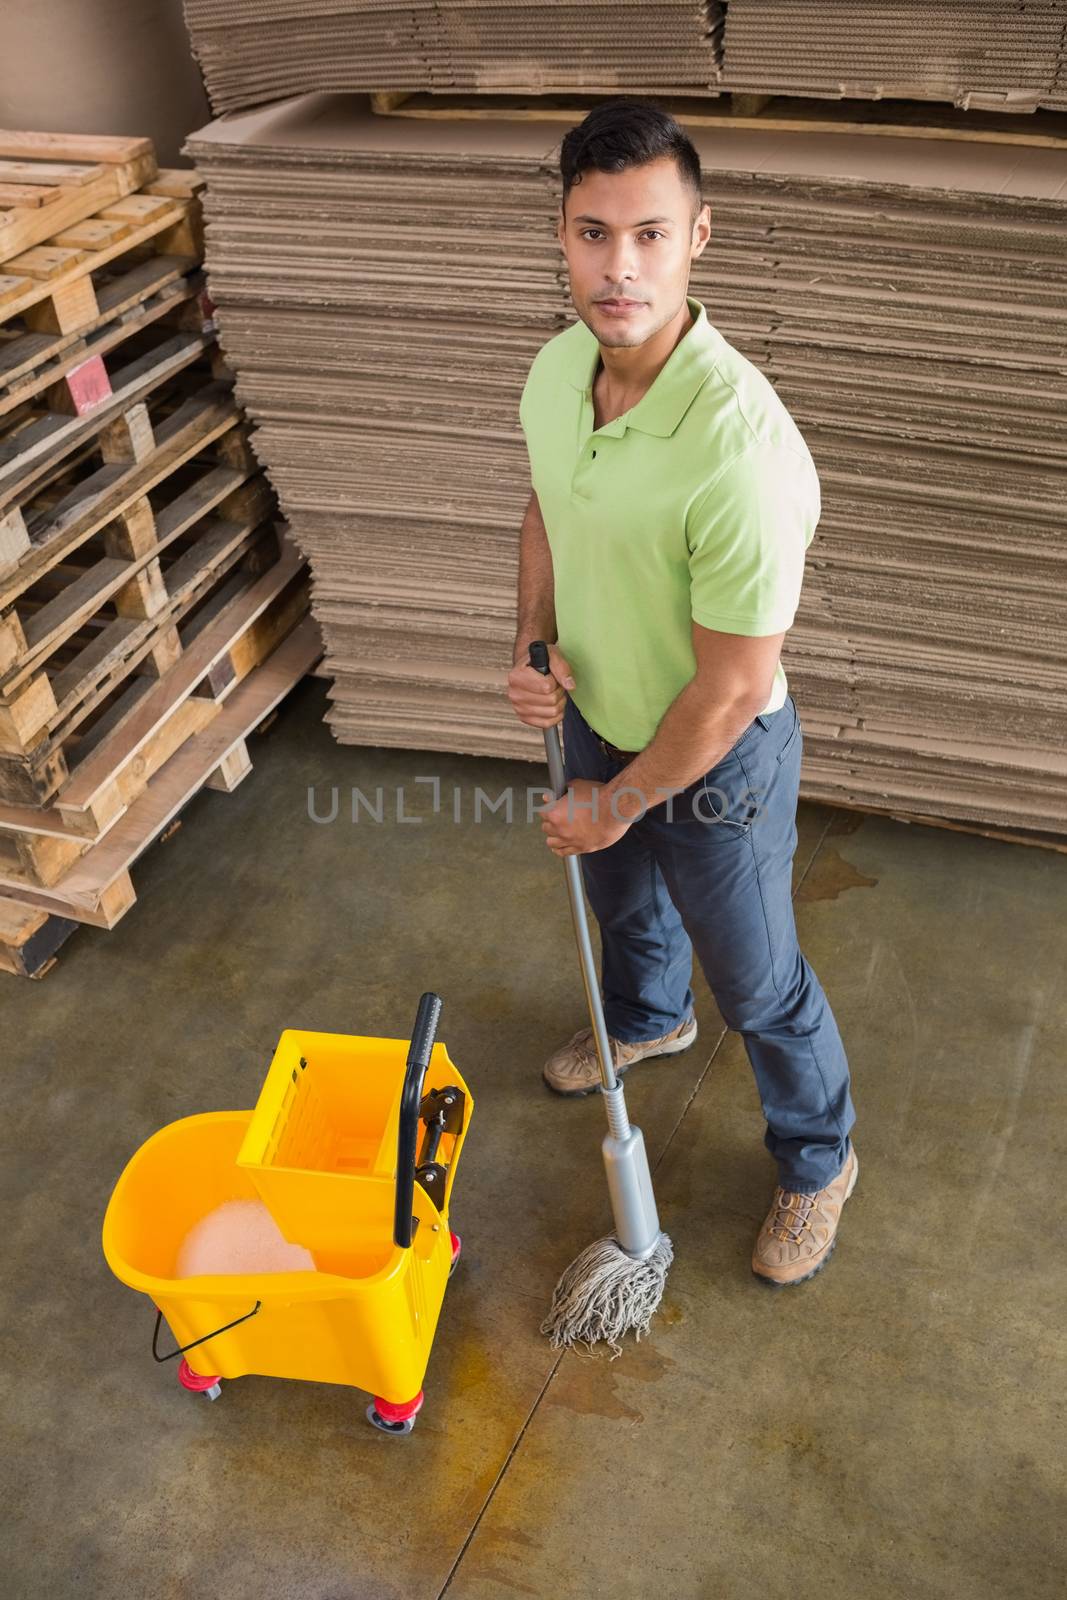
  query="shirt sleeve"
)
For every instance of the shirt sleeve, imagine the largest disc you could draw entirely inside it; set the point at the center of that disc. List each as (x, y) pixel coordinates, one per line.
(747, 536)
(530, 391)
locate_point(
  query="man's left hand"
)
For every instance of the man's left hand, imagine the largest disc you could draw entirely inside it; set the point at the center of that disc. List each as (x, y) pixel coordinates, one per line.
(581, 820)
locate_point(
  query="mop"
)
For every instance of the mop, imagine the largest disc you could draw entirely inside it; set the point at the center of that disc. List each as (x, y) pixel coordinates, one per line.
(615, 1285)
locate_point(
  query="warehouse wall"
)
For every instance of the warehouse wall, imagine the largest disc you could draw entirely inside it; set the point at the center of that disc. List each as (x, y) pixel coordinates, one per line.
(101, 66)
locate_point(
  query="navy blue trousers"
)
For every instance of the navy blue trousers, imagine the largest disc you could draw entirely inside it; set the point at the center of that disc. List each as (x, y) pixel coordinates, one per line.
(710, 870)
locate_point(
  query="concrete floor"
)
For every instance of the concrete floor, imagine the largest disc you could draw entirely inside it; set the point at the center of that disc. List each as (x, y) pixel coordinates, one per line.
(885, 1430)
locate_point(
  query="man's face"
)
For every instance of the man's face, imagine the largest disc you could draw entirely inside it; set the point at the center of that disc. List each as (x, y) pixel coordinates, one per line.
(629, 239)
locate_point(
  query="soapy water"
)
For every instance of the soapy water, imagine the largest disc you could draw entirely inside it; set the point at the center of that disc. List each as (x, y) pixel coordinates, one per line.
(239, 1236)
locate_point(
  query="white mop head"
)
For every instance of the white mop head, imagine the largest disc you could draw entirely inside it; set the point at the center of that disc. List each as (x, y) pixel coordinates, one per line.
(605, 1293)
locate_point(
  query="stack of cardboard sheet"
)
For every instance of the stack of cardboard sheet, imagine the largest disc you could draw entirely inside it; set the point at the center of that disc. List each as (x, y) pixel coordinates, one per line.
(382, 285)
(987, 54)
(907, 299)
(253, 51)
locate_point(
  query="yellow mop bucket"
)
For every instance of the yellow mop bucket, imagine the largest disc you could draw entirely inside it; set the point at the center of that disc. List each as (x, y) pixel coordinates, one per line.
(352, 1147)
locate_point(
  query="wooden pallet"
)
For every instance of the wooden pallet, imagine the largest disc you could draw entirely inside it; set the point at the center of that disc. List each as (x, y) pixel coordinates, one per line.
(105, 415)
(52, 181)
(154, 719)
(901, 119)
(233, 634)
(53, 288)
(41, 611)
(97, 889)
(134, 458)
(129, 301)
(87, 687)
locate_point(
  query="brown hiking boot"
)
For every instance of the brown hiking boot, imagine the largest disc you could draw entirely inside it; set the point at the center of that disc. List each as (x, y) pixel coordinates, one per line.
(798, 1237)
(574, 1069)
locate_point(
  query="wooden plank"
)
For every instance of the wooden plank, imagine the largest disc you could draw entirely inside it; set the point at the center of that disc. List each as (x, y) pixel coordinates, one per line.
(231, 770)
(208, 492)
(93, 234)
(802, 116)
(387, 100)
(143, 210)
(112, 149)
(64, 308)
(67, 173)
(12, 639)
(80, 893)
(181, 182)
(87, 385)
(217, 537)
(115, 643)
(29, 939)
(14, 540)
(23, 226)
(38, 860)
(748, 105)
(64, 614)
(32, 785)
(46, 262)
(22, 721)
(27, 194)
(43, 820)
(12, 287)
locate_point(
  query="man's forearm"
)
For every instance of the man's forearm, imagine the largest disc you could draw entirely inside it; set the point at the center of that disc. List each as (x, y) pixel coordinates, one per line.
(536, 608)
(529, 630)
(692, 737)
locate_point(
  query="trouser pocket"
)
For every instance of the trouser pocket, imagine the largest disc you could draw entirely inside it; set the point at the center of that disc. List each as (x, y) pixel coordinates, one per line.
(790, 737)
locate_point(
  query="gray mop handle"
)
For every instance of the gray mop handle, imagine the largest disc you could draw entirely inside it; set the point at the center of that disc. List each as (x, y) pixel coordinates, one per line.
(558, 785)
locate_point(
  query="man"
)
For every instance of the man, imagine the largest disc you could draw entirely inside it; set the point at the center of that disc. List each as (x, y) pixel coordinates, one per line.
(662, 556)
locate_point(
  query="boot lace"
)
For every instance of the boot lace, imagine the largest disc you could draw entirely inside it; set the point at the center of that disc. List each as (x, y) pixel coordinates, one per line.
(585, 1048)
(788, 1207)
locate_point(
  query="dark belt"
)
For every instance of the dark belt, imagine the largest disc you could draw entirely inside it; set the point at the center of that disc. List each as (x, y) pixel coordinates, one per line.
(612, 750)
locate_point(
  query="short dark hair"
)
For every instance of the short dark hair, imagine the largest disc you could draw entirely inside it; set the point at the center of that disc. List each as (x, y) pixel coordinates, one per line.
(627, 132)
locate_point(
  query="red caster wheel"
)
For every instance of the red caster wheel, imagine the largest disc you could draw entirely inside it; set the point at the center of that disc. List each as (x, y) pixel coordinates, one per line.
(393, 1418)
(457, 1248)
(196, 1383)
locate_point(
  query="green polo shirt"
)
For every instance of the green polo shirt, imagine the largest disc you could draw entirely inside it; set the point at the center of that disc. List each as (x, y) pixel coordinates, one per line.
(697, 503)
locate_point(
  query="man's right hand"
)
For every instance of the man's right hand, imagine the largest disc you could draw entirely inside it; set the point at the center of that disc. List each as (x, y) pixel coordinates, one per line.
(538, 700)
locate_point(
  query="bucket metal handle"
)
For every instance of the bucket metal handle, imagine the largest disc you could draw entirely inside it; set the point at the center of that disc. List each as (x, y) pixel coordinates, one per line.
(171, 1354)
(422, 1041)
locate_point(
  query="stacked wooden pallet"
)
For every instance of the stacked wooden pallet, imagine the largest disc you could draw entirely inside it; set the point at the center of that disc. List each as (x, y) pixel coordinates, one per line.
(143, 583)
(906, 298)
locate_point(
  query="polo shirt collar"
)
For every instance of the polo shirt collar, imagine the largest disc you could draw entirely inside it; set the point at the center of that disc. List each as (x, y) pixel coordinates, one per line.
(675, 386)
